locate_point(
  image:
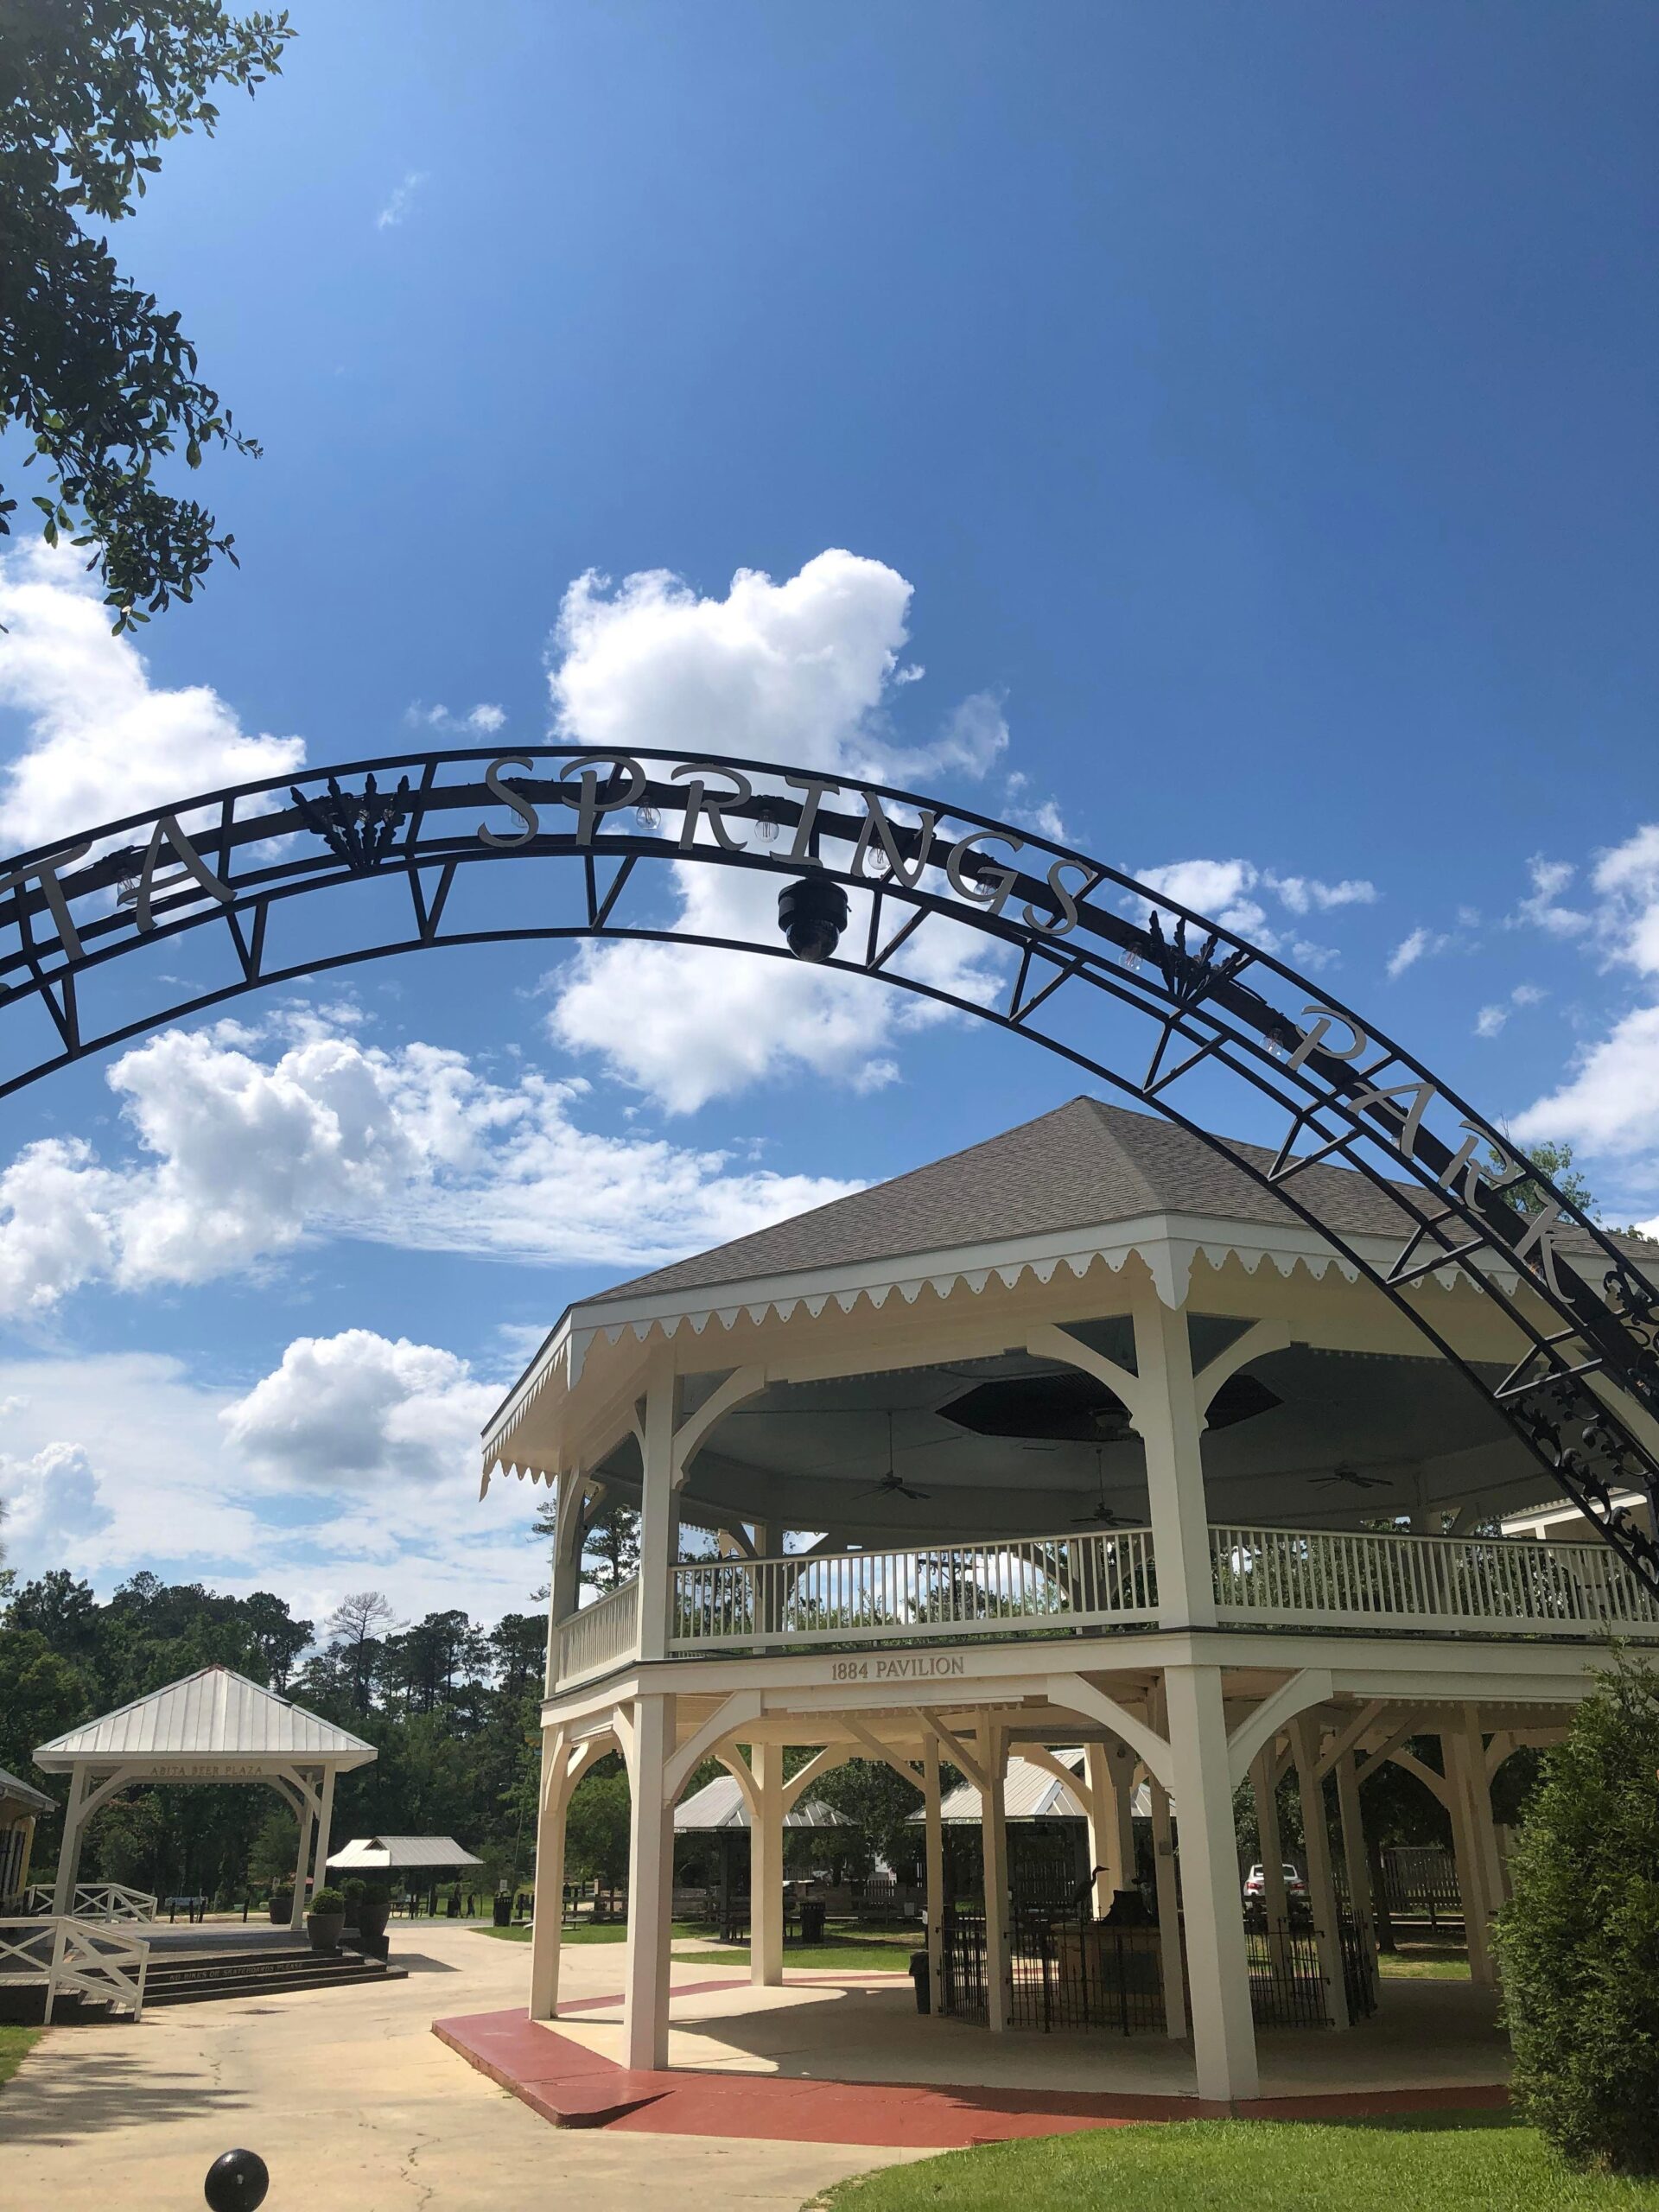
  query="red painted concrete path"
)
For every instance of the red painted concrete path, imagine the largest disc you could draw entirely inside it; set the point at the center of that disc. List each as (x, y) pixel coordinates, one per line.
(575, 2087)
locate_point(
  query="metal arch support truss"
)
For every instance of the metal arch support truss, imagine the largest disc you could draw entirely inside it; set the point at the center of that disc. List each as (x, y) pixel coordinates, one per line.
(1066, 938)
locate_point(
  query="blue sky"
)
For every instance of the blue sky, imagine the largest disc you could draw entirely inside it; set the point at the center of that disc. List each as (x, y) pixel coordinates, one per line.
(1243, 420)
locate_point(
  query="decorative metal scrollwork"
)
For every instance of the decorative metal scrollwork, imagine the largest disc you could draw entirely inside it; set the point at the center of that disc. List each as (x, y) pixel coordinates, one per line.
(357, 828)
(1091, 954)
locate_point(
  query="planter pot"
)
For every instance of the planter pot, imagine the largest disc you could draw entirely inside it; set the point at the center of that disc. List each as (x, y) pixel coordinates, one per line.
(372, 1914)
(281, 1907)
(325, 1930)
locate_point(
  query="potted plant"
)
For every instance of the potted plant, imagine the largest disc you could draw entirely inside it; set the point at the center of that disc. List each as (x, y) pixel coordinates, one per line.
(373, 1910)
(325, 1922)
(281, 1907)
(354, 1891)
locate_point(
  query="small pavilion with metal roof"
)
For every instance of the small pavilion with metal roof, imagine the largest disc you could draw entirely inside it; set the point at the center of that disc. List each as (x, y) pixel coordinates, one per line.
(213, 1725)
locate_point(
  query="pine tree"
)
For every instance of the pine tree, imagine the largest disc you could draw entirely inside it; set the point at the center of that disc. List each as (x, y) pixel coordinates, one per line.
(1580, 1941)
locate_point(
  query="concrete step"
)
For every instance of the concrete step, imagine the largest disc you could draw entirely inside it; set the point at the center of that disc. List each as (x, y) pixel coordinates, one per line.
(204, 1988)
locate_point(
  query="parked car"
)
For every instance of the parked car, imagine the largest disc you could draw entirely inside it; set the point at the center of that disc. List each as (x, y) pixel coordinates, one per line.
(1255, 1885)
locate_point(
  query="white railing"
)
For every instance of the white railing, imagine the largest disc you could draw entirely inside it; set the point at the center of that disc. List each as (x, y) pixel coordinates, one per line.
(1107, 1579)
(601, 1634)
(1104, 1579)
(95, 1901)
(77, 1958)
(1326, 1577)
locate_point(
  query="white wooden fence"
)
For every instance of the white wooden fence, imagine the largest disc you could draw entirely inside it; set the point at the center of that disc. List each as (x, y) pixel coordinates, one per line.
(95, 1901)
(601, 1634)
(1331, 1579)
(1102, 1579)
(71, 1957)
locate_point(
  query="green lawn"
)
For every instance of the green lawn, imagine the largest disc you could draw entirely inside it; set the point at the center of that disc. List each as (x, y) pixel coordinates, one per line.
(850, 1956)
(585, 1932)
(14, 2041)
(1438, 2162)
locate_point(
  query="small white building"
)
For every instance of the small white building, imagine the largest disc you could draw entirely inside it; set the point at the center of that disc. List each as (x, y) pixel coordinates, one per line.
(1078, 1440)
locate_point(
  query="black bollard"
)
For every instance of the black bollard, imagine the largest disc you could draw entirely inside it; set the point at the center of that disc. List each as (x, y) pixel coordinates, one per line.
(237, 2182)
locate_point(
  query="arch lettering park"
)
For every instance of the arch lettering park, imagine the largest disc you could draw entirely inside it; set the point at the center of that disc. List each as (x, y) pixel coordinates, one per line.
(1137, 991)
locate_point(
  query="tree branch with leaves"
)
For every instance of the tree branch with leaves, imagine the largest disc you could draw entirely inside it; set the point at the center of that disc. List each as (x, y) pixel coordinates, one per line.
(93, 369)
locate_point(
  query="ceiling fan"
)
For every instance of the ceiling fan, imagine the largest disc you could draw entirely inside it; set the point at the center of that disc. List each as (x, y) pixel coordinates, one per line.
(892, 1484)
(1100, 1515)
(1343, 1473)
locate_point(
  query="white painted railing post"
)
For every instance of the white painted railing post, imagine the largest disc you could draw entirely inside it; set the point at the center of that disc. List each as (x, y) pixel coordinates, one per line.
(659, 1517)
(1171, 1425)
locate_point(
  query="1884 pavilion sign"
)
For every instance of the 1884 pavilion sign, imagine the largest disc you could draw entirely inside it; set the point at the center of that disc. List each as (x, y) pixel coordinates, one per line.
(1120, 980)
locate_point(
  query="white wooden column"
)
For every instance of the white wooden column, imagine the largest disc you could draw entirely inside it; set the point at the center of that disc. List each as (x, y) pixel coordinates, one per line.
(296, 1915)
(63, 1896)
(1223, 2034)
(1474, 1840)
(1171, 1424)
(766, 1867)
(933, 1830)
(1169, 1910)
(1355, 1862)
(650, 1889)
(1321, 1879)
(547, 1924)
(993, 1836)
(659, 1516)
(1110, 1770)
(325, 1822)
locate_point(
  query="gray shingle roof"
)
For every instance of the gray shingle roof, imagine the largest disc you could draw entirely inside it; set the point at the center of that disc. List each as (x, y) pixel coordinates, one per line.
(24, 1794)
(1082, 1165)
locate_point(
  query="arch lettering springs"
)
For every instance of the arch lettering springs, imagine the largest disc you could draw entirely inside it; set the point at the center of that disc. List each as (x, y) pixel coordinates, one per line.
(1120, 980)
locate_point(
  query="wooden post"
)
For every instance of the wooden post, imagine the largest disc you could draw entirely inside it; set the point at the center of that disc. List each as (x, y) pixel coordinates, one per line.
(325, 1822)
(63, 1897)
(650, 1880)
(1353, 1855)
(766, 1867)
(547, 1927)
(1321, 1881)
(658, 1516)
(296, 1914)
(1169, 1912)
(1110, 1771)
(1223, 2034)
(934, 1831)
(1171, 1423)
(994, 1832)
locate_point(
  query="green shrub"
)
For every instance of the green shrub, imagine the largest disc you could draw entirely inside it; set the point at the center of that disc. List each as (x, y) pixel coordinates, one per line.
(1579, 1943)
(328, 1900)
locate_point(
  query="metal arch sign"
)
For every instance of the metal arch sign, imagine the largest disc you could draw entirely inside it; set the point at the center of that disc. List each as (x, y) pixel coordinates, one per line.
(1083, 947)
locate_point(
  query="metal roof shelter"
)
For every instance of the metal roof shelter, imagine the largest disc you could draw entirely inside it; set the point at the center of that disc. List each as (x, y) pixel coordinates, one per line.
(1032, 1793)
(719, 1805)
(213, 1725)
(400, 1854)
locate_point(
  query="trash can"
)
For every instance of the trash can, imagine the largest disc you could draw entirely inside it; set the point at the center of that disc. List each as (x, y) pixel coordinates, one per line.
(919, 1976)
(501, 1911)
(812, 1910)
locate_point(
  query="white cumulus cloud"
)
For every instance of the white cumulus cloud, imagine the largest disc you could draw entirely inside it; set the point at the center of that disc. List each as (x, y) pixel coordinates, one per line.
(247, 1143)
(343, 1407)
(803, 672)
(98, 739)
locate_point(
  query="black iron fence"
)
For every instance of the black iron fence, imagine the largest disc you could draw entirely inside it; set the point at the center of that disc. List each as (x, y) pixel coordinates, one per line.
(1288, 1982)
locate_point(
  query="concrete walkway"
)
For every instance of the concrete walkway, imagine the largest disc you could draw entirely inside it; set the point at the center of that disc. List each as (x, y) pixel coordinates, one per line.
(356, 2107)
